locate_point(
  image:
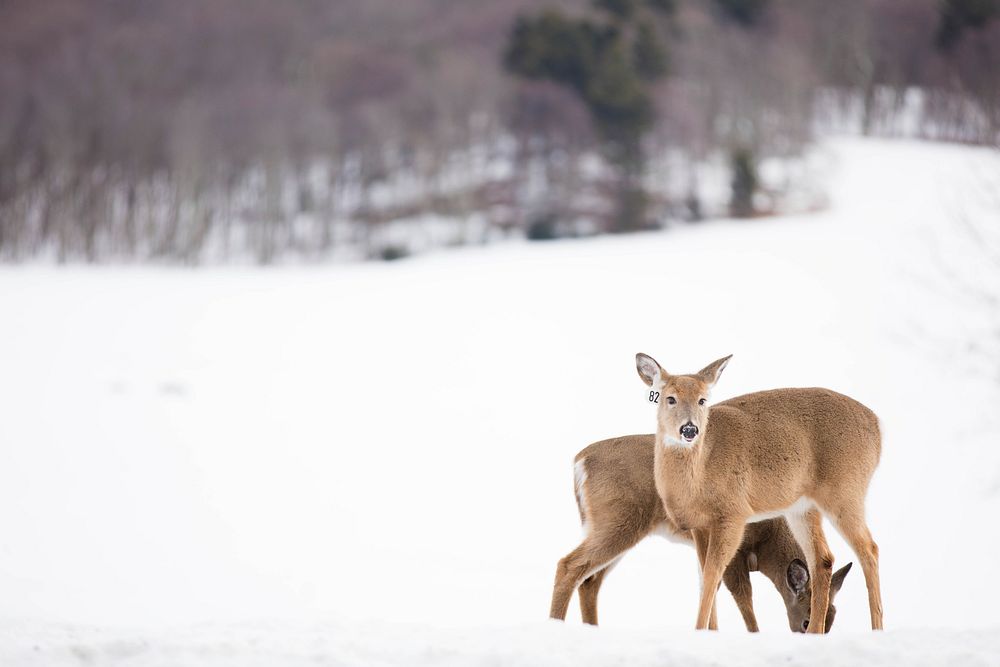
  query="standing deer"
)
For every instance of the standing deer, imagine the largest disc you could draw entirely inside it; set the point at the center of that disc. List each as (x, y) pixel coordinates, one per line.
(619, 507)
(794, 453)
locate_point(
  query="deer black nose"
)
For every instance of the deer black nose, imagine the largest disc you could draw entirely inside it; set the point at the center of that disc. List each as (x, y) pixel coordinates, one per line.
(805, 625)
(689, 431)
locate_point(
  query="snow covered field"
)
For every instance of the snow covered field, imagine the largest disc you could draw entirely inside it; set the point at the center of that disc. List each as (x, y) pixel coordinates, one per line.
(372, 464)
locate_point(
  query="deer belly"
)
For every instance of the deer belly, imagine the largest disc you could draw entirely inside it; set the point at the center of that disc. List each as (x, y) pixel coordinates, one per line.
(800, 506)
(667, 532)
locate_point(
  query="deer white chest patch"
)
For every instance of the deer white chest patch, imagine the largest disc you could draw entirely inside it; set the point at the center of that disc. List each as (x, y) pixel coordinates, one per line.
(669, 441)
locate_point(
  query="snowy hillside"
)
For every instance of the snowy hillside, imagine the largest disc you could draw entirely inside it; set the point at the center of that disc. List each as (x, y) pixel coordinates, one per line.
(373, 464)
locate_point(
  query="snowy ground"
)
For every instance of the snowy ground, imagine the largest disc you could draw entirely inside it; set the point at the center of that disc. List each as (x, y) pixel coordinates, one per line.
(377, 644)
(372, 464)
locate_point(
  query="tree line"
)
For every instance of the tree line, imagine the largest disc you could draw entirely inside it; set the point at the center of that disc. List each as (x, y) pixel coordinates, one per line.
(202, 130)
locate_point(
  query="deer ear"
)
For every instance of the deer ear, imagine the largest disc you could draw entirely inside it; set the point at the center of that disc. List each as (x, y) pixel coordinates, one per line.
(838, 578)
(797, 576)
(649, 370)
(711, 373)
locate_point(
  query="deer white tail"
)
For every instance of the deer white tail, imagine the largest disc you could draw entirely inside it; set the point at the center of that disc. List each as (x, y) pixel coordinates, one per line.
(579, 482)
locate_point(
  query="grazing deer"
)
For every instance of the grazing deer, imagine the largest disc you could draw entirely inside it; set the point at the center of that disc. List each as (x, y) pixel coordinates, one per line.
(786, 452)
(619, 507)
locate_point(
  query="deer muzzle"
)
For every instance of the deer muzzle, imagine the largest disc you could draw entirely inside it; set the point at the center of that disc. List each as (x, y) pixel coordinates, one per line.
(689, 432)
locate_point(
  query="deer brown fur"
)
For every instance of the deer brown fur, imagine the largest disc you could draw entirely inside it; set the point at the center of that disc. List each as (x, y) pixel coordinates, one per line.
(619, 507)
(798, 453)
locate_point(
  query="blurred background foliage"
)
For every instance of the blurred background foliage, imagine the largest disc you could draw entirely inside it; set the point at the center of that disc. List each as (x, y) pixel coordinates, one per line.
(213, 130)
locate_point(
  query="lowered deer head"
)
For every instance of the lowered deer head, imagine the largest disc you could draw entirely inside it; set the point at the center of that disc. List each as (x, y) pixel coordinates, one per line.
(798, 597)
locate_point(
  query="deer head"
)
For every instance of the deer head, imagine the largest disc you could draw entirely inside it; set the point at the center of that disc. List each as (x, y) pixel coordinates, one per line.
(682, 412)
(798, 597)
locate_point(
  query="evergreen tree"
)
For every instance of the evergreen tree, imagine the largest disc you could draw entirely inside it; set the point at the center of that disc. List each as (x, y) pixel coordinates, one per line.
(610, 68)
(958, 15)
(622, 9)
(554, 47)
(744, 183)
(744, 12)
(617, 96)
(662, 6)
(650, 53)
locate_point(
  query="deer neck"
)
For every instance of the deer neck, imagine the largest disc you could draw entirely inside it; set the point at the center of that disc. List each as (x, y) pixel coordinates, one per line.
(774, 555)
(773, 571)
(678, 466)
(688, 457)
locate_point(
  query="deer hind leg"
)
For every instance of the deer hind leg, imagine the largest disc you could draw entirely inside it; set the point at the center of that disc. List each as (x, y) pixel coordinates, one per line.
(593, 555)
(588, 591)
(808, 531)
(737, 580)
(854, 529)
(723, 541)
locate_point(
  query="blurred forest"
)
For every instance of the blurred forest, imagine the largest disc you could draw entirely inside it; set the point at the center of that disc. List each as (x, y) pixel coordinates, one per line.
(193, 131)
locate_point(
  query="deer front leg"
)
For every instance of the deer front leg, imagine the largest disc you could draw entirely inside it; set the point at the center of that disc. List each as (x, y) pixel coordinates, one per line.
(701, 547)
(737, 580)
(723, 541)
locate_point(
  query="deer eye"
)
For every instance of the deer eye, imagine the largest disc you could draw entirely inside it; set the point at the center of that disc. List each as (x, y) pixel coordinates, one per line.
(671, 400)
(701, 401)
